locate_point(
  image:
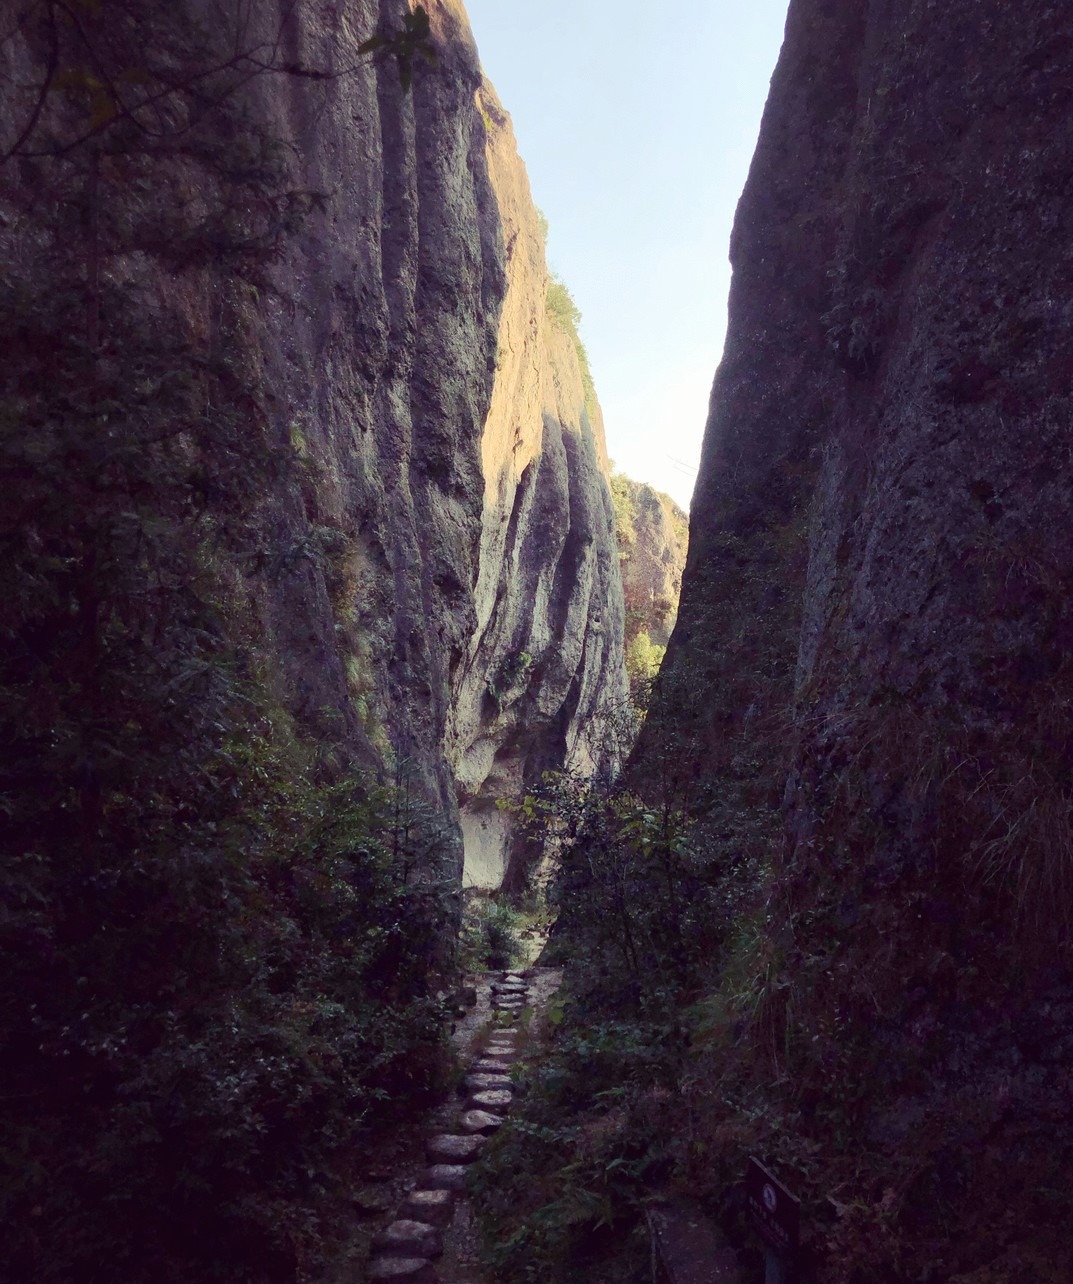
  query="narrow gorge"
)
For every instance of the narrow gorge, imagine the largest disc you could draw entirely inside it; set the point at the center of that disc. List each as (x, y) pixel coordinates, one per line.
(329, 625)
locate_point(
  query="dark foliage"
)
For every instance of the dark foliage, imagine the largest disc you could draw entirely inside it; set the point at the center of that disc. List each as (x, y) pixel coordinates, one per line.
(215, 979)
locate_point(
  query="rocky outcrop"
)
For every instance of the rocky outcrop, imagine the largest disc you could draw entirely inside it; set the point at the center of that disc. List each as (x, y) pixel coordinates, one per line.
(545, 660)
(870, 672)
(427, 576)
(653, 536)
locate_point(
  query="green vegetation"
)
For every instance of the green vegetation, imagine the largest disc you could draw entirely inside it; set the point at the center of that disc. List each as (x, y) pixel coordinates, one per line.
(489, 937)
(652, 534)
(222, 938)
(564, 313)
(562, 1188)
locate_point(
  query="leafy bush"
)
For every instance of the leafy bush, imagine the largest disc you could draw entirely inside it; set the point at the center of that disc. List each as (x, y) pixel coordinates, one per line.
(564, 313)
(489, 935)
(217, 973)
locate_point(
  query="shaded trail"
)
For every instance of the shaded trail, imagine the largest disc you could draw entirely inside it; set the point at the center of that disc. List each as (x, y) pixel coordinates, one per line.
(428, 1233)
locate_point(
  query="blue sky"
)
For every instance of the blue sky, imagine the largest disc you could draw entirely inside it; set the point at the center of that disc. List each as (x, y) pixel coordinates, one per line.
(637, 123)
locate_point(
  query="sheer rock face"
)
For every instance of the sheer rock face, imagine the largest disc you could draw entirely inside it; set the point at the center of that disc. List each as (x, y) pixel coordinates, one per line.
(652, 552)
(876, 618)
(544, 663)
(443, 507)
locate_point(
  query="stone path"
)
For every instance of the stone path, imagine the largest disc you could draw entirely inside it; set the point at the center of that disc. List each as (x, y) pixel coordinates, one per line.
(432, 1238)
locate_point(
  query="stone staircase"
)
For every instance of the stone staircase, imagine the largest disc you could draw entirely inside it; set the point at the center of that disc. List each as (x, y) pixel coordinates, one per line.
(407, 1250)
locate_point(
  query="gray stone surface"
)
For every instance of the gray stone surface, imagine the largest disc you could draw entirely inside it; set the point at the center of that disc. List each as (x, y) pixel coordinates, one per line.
(433, 1207)
(481, 1082)
(447, 1148)
(496, 1100)
(490, 1065)
(409, 1239)
(443, 1177)
(404, 1270)
(480, 1121)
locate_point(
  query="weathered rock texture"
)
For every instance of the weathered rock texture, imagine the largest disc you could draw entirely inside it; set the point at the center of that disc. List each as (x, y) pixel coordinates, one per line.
(871, 670)
(653, 536)
(430, 574)
(545, 659)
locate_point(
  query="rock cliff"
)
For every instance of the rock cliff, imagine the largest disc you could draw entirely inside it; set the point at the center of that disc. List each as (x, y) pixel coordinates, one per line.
(870, 676)
(306, 533)
(545, 660)
(429, 573)
(653, 536)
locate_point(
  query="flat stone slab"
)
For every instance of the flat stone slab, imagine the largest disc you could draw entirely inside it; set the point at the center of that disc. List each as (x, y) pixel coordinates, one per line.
(480, 1121)
(450, 1149)
(488, 1065)
(509, 987)
(406, 1270)
(480, 1082)
(690, 1247)
(495, 1100)
(433, 1207)
(407, 1239)
(443, 1177)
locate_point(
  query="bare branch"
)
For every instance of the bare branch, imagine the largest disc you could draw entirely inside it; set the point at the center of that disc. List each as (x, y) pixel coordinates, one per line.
(39, 105)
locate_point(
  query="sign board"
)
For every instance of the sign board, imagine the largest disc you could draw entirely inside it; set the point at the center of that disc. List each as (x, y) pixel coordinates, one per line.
(775, 1212)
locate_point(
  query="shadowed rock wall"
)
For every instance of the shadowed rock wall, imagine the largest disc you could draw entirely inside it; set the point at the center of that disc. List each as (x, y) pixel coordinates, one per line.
(439, 508)
(870, 678)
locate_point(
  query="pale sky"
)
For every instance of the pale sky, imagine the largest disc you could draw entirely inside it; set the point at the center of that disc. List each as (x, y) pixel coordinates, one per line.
(637, 122)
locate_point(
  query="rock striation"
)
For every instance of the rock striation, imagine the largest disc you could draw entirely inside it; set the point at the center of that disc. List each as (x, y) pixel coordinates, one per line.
(870, 679)
(429, 576)
(545, 659)
(653, 537)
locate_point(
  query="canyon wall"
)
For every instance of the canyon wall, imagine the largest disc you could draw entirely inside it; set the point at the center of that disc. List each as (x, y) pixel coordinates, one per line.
(870, 683)
(545, 660)
(653, 536)
(428, 575)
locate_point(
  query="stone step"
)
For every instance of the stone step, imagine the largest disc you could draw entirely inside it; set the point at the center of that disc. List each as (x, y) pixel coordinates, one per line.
(481, 1082)
(407, 1239)
(433, 1207)
(449, 1148)
(495, 1100)
(489, 1065)
(443, 1177)
(479, 1121)
(404, 1270)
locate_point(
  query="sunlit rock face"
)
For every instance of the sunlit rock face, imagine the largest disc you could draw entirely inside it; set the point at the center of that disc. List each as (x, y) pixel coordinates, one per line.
(653, 536)
(431, 587)
(875, 626)
(542, 675)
